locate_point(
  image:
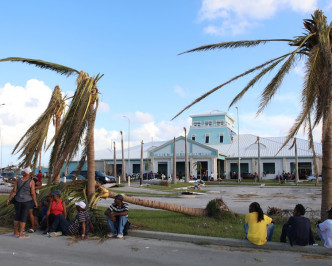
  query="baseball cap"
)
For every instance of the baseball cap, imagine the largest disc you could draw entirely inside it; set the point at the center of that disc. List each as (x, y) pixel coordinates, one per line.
(56, 192)
(81, 204)
(27, 170)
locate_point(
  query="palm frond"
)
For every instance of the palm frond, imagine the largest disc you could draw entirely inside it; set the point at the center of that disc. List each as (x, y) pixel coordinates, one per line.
(275, 83)
(222, 85)
(256, 79)
(61, 69)
(31, 143)
(234, 44)
(74, 126)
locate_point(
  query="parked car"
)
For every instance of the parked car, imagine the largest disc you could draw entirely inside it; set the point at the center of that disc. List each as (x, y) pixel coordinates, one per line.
(247, 176)
(100, 177)
(72, 177)
(313, 178)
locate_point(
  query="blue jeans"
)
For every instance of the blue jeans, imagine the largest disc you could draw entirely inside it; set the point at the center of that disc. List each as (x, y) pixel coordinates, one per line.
(60, 224)
(117, 226)
(269, 228)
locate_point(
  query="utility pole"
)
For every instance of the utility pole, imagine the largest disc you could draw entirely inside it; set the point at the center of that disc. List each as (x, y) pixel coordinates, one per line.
(186, 155)
(238, 146)
(174, 164)
(259, 160)
(123, 172)
(115, 171)
(141, 170)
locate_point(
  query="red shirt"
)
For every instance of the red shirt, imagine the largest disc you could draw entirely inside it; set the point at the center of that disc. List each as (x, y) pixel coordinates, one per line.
(56, 207)
(39, 177)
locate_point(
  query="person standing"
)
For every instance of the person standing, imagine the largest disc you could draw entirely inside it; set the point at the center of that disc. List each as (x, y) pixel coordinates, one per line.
(297, 228)
(324, 230)
(40, 176)
(117, 217)
(258, 227)
(25, 196)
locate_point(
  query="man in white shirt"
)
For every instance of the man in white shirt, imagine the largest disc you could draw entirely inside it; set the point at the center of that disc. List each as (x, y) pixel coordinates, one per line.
(324, 230)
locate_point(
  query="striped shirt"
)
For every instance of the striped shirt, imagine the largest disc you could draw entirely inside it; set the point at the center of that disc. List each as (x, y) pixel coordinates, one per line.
(115, 208)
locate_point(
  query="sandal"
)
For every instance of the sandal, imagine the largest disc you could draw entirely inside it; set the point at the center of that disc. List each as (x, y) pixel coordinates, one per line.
(24, 236)
(31, 230)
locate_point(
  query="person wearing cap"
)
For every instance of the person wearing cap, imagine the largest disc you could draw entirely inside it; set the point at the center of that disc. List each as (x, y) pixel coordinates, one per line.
(324, 230)
(117, 217)
(24, 196)
(80, 226)
(56, 207)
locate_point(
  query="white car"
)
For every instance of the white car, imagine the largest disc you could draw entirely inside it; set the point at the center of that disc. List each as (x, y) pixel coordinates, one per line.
(313, 178)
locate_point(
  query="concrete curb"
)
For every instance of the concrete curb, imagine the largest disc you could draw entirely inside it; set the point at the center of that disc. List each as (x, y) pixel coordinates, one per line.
(317, 250)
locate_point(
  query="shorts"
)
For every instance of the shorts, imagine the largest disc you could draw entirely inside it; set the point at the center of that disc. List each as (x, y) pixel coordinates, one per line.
(22, 210)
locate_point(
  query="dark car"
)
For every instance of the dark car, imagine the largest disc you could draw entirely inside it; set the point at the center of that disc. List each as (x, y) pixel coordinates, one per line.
(99, 176)
(247, 176)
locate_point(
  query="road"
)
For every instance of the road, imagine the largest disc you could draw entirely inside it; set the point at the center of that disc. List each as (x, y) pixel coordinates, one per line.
(238, 198)
(41, 250)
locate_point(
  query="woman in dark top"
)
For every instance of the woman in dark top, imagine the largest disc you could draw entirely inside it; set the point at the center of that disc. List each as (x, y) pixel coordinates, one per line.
(24, 191)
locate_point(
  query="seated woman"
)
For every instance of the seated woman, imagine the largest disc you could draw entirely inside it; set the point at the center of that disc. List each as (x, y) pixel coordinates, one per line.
(80, 226)
(258, 227)
(55, 208)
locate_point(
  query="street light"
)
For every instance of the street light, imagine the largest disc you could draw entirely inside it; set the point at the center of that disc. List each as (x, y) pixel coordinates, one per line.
(128, 149)
(238, 146)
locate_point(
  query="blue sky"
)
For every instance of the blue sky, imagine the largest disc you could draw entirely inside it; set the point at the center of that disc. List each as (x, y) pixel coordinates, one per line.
(135, 44)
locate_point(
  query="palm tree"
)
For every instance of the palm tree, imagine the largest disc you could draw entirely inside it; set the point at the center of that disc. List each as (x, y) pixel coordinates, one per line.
(315, 45)
(78, 121)
(31, 143)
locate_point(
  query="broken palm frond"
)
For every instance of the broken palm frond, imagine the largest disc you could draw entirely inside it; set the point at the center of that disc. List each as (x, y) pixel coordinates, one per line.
(31, 143)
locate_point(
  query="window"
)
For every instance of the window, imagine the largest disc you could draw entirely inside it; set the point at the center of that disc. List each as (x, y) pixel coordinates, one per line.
(197, 123)
(193, 137)
(221, 138)
(207, 138)
(208, 123)
(269, 168)
(220, 123)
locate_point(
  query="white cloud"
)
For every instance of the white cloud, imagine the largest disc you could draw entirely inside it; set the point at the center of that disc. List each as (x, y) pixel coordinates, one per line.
(180, 91)
(238, 16)
(23, 105)
(143, 118)
(273, 126)
(103, 107)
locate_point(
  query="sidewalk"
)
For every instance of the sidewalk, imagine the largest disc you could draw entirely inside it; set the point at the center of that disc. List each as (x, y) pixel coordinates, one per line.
(206, 240)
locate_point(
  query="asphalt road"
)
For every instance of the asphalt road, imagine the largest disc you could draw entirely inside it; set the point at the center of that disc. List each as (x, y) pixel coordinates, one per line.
(41, 250)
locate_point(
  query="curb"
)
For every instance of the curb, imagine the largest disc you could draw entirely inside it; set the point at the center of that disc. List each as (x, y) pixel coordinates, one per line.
(317, 250)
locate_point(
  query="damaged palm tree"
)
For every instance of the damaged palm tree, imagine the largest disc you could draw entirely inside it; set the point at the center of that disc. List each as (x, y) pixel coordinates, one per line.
(316, 47)
(77, 123)
(32, 142)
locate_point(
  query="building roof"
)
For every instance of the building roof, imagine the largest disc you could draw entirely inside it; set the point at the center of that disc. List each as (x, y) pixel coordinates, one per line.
(269, 146)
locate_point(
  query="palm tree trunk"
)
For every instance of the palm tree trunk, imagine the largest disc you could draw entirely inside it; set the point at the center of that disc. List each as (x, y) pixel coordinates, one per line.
(57, 127)
(158, 205)
(91, 154)
(327, 164)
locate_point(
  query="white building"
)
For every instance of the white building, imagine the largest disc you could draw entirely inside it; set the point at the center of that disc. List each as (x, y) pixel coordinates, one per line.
(215, 146)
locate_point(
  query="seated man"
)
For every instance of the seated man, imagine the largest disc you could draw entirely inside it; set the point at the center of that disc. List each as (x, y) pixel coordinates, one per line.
(297, 228)
(324, 230)
(117, 217)
(80, 226)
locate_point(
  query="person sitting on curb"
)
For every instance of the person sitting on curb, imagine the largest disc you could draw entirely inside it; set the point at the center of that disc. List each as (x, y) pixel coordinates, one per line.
(258, 227)
(297, 228)
(56, 207)
(117, 217)
(42, 217)
(80, 226)
(324, 230)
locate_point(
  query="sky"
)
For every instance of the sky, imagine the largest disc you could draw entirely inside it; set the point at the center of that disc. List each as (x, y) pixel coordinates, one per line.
(135, 44)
